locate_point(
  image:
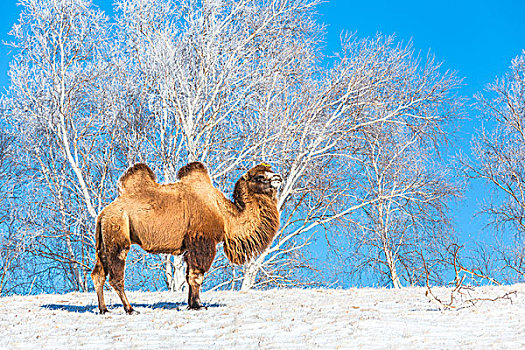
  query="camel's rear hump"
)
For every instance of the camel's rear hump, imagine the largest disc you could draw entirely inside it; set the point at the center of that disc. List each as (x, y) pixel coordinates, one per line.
(136, 178)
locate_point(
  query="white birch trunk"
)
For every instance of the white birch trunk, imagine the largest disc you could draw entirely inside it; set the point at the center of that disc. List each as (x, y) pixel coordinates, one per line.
(391, 262)
(72, 264)
(385, 211)
(251, 269)
(175, 273)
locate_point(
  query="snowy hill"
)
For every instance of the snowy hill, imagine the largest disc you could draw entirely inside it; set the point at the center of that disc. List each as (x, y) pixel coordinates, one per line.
(275, 319)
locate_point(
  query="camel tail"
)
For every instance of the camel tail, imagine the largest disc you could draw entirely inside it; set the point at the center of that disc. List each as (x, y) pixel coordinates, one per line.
(100, 247)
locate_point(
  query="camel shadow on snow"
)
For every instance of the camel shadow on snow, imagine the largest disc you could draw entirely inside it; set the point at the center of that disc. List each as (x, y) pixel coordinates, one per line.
(163, 305)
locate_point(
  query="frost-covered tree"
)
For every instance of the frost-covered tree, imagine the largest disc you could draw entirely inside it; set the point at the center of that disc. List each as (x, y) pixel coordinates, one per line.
(56, 106)
(499, 158)
(397, 165)
(10, 245)
(410, 217)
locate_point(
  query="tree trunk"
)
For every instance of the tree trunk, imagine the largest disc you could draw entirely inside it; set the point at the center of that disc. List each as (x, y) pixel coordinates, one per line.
(175, 273)
(74, 268)
(384, 211)
(251, 268)
(250, 273)
(394, 277)
(72, 263)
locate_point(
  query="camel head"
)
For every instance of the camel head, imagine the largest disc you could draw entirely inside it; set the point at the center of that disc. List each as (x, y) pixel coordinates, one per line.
(261, 179)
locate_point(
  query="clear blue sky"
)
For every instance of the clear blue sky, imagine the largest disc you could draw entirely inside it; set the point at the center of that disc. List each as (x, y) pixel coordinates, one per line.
(477, 39)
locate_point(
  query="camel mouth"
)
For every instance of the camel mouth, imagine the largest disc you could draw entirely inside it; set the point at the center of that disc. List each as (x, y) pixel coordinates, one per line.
(276, 181)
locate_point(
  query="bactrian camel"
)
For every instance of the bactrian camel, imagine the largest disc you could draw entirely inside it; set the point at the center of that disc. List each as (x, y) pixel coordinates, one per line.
(187, 217)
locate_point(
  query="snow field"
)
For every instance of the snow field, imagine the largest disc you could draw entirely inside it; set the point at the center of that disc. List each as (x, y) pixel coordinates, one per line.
(364, 318)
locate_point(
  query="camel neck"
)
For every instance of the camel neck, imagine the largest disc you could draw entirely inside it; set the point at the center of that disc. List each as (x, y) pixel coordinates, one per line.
(252, 228)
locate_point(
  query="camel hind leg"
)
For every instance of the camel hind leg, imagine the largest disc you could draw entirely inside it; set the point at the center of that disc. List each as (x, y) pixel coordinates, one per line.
(99, 278)
(98, 275)
(117, 265)
(115, 236)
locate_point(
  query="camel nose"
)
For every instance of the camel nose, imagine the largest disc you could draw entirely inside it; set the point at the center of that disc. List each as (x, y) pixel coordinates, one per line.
(276, 180)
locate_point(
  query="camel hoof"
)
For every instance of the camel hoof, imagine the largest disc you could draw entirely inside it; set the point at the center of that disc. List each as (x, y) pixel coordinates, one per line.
(197, 307)
(103, 311)
(132, 312)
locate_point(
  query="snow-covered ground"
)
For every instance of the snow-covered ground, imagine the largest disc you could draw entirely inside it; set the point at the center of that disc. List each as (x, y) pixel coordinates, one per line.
(362, 318)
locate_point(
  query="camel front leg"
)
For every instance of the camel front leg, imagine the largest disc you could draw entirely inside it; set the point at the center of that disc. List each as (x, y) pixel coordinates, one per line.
(199, 257)
(194, 277)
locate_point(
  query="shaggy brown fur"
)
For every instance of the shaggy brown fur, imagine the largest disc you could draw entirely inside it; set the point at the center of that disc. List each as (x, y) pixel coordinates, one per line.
(189, 216)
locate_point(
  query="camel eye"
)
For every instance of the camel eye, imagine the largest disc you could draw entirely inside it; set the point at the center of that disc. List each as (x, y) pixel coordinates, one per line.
(259, 178)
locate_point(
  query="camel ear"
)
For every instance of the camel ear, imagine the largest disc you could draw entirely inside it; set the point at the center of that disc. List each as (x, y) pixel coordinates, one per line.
(245, 177)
